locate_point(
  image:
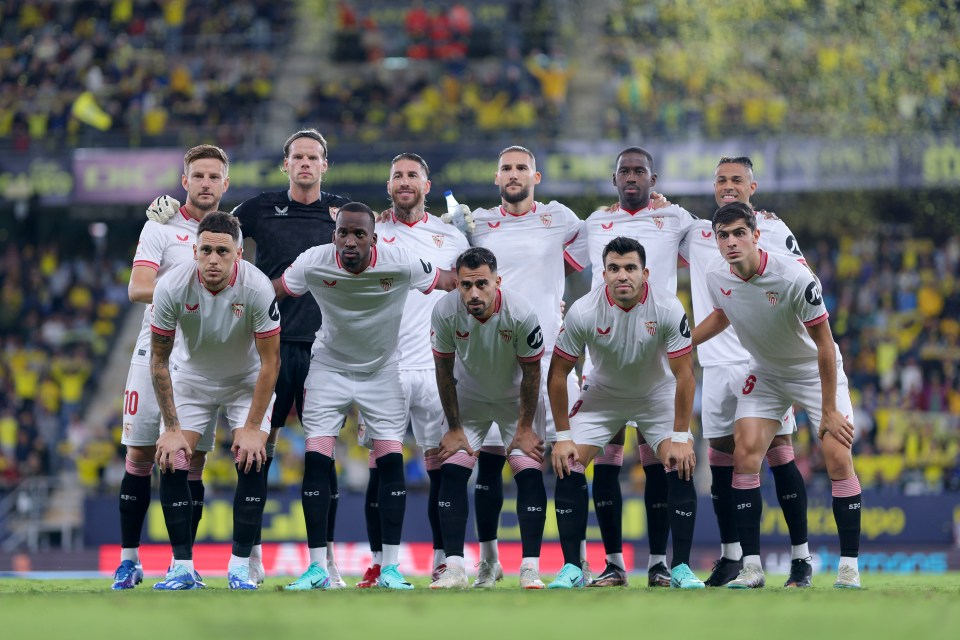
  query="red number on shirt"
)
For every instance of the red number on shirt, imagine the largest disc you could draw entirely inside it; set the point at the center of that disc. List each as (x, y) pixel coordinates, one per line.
(749, 384)
(131, 402)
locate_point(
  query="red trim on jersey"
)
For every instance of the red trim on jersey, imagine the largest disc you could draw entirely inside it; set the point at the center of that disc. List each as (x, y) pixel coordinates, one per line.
(683, 261)
(441, 354)
(266, 334)
(818, 320)
(233, 279)
(186, 215)
(163, 332)
(534, 358)
(676, 354)
(646, 291)
(760, 269)
(283, 283)
(557, 351)
(634, 212)
(569, 259)
(504, 212)
(411, 224)
(373, 260)
(433, 285)
(498, 302)
(373, 257)
(613, 303)
(146, 263)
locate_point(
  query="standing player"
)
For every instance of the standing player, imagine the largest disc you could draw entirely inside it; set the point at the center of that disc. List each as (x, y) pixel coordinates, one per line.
(776, 306)
(228, 356)
(161, 247)
(725, 366)
(361, 288)
(639, 342)
(535, 245)
(660, 230)
(278, 226)
(488, 344)
(410, 227)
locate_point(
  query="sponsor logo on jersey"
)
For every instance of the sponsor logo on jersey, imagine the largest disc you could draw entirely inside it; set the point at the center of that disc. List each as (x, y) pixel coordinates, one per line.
(603, 332)
(386, 283)
(658, 220)
(684, 326)
(329, 283)
(773, 297)
(651, 327)
(546, 219)
(793, 246)
(390, 240)
(281, 211)
(607, 227)
(535, 339)
(141, 352)
(438, 240)
(576, 407)
(274, 310)
(493, 225)
(185, 238)
(192, 309)
(813, 295)
(237, 309)
(506, 335)
(427, 266)
(463, 336)
(706, 234)
(726, 292)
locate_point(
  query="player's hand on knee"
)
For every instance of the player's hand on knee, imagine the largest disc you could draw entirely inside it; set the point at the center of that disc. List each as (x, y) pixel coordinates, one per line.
(838, 426)
(248, 449)
(683, 456)
(163, 209)
(168, 444)
(529, 442)
(564, 456)
(453, 441)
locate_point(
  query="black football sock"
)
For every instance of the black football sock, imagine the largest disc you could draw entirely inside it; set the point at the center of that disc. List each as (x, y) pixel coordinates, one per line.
(748, 505)
(453, 507)
(392, 497)
(682, 499)
(531, 510)
(177, 512)
(721, 491)
(433, 511)
(371, 511)
(488, 495)
(792, 496)
(248, 501)
(847, 507)
(570, 502)
(658, 514)
(608, 505)
(134, 503)
(316, 497)
(334, 502)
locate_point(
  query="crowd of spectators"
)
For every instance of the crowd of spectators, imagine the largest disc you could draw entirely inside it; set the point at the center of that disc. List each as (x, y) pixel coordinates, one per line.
(135, 72)
(681, 69)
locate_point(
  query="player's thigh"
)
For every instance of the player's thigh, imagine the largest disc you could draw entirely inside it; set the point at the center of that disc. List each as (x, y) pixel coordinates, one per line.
(379, 397)
(479, 417)
(328, 397)
(423, 406)
(721, 390)
(596, 417)
(654, 414)
(238, 398)
(141, 414)
(763, 394)
(294, 367)
(807, 393)
(197, 399)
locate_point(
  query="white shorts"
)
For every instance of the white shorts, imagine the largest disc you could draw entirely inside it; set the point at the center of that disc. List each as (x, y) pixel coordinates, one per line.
(478, 417)
(599, 414)
(424, 411)
(141, 413)
(329, 394)
(198, 399)
(767, 395)
(493, 438)
(722, 385)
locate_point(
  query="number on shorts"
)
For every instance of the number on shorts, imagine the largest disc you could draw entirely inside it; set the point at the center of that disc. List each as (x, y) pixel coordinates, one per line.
(131, 402)
(749, 384)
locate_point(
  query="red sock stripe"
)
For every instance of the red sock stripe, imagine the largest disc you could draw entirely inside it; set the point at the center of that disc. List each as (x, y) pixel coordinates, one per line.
(719, 458)
(746, 480)
(522, 463)
(497, 451)
(846, 488)
(142, 469)
(647, 455)
(461, 459)
(371, 461)
(612, 455)
(180, 462)
(671, 468)
(431, 462)
(780, 455)
(384, 447)
(323, 445)
(196, 467)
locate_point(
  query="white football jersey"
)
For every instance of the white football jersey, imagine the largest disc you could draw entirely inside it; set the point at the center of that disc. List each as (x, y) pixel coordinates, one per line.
(770, 312)
(699, 248)
(362, 312)
(659, 231)
(531, 250)
(161, 247)
(487, 352)
(217, 329)
(434, 241)
(629, 348)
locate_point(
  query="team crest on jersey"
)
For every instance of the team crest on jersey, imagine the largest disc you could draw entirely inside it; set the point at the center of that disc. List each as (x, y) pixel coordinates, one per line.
(506, 335)
(386, 283)
(658, 220)
(546, 219)
(651, 327)
(773, 297)
(237, 309)
(183, 239)
(607, 227)
(192, 308)
(438, 240)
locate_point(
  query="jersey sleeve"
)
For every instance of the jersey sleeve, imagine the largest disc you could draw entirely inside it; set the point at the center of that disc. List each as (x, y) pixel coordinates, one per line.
(789, 245)
(576, 251)
(163, 318)
(247, 213)
(529, 338)
(423, 274)
(441, 334)
(571, 341)
(150, 246)
(676, 335)
(294, 278)
(807, 299)
(266, 309)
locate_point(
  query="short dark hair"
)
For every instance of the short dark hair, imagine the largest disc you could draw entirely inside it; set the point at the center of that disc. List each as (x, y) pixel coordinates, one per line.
(519, 149)
(203, 152)
(622, 246)
(220, 222)
(358, 207)
(414, 157)
(639, 150)
(476, 257)
(744, 160)
(311, 133)
(732, 212)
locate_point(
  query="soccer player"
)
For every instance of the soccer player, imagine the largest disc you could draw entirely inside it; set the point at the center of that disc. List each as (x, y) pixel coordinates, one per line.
(228, 356)
(278, 226)
(410, 227)
(660, 229)
(535, 245)
(487, 344)
(725, 366)
(639, 341)
(776, 306)
(361, 287)
(161, 247)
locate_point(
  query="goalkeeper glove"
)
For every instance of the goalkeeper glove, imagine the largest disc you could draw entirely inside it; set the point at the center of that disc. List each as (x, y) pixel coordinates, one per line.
(162, 209)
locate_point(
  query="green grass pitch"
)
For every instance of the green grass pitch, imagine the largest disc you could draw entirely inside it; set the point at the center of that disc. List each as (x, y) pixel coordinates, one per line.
(912, 607)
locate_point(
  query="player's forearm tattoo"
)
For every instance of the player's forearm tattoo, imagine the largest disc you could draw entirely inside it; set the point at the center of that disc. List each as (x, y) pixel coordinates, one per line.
(160, 347)
(529, 391)
(447, 389)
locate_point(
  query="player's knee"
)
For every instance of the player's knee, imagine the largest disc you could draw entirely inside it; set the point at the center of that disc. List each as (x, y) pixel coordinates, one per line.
(723, 444)
(141, 454)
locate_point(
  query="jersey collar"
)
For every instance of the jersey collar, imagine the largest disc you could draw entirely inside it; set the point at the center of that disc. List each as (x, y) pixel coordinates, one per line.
(504, 212)
(233, 279)
(497, 303)
(397, 220)
(617, 207)
(760, 269)
(373, 260)
(613, 303)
